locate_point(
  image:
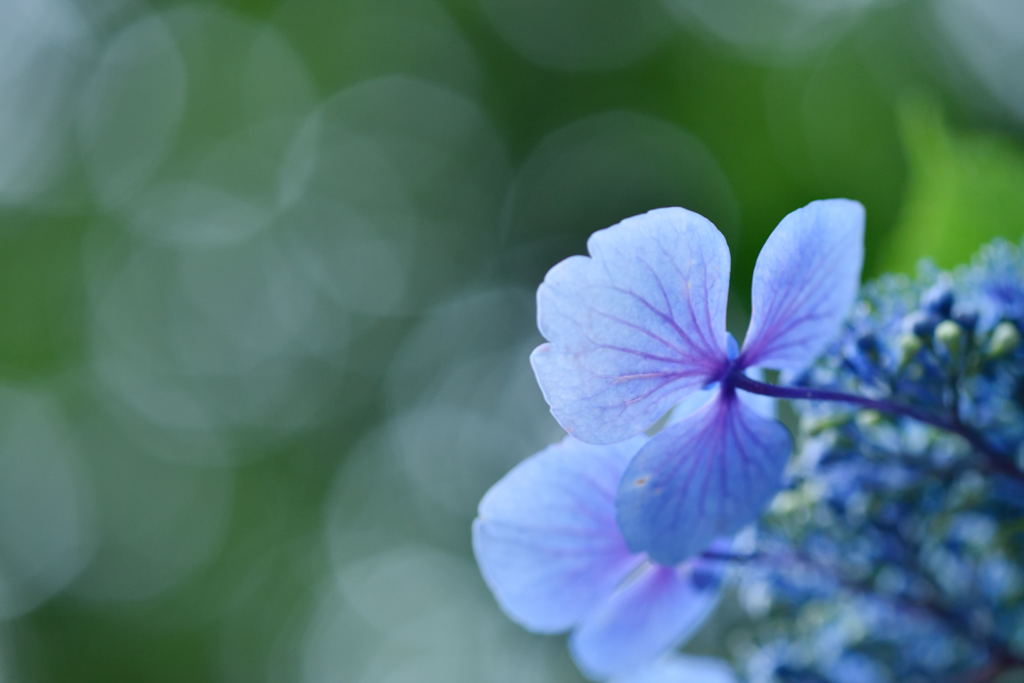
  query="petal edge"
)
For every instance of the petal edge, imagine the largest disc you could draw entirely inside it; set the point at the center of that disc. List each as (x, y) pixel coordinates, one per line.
(706, 476)
(654, 613)
(635, 327)
(545, 538)
(805, 281)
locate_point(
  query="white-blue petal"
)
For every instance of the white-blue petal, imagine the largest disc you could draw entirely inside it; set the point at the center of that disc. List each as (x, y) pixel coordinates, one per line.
(764, 405)
(634, 328)
(806, 278)
(653, 614)
(703, 477)
(761, 404)
(682, 669)
(546, 538)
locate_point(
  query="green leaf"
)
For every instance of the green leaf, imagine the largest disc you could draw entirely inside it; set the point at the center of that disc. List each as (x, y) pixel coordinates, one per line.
(963, 190)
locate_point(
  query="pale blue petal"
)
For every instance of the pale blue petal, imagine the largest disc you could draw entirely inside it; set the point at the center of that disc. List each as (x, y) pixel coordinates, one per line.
(692, 403)
(761, 404)
(698, 399)
(651, 615)
(805, 281)
(546, 538)
(682, 669)
(706, 476)
(634, 328)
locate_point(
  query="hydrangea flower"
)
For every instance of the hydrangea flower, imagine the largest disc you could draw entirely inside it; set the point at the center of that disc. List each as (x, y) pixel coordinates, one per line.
(639, 325)
(895, 553)
(551, 552)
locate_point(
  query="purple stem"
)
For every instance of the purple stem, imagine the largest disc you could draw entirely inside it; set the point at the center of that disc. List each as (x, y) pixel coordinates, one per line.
(1001, 659)
(996, 459)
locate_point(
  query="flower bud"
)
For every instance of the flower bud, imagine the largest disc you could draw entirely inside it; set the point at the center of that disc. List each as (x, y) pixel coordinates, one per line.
(919, 324)
(949, 334)
(908, 344)
(1005, 338)
(868, 418)
(968, 320)
(938, 300)
(868, 344)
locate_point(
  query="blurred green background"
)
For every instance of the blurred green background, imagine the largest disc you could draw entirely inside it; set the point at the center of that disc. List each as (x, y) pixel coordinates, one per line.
(267, 285)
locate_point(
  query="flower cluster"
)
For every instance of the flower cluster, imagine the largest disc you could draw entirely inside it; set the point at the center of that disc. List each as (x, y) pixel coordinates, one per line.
(896, 551)
(893, 545)
(622, 537)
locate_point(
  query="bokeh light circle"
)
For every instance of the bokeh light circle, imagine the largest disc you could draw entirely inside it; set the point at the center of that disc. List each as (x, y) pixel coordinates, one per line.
(47, 523)
(605, 167)
(44, 47)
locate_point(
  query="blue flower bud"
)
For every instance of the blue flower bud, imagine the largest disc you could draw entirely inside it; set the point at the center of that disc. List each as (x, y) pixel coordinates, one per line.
(920, 324)
(968, 320)
(868, 343)
(938, 300)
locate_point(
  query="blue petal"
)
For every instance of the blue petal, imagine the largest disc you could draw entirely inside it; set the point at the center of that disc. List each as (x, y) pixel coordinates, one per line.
(764, 405)
(546, 538)
(706, 476)
(761, 404)
(636, 327)
(692, 403)
(646, 618)
(805, 281)
(682, 669)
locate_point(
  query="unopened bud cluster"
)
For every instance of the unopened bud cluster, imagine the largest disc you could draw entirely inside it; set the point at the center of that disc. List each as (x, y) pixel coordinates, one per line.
(903, 563)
